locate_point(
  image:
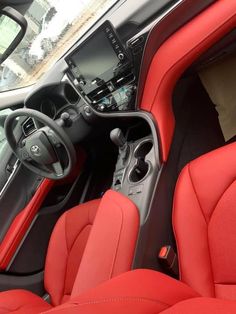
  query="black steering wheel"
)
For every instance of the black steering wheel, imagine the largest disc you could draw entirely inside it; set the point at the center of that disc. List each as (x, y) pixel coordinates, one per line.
(40, 150)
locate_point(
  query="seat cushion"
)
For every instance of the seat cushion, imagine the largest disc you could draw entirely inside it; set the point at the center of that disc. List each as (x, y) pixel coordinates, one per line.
(22, 302)
(135, 292)
(66, 249)
(144, 292)
(204, 220)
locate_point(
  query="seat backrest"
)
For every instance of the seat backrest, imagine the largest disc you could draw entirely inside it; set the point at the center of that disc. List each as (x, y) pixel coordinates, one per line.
(204, 221)
(66, 248)
(112, 242)
(90, 244)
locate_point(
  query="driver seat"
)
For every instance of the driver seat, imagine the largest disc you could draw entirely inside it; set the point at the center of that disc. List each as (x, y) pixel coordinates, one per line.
(90, 244)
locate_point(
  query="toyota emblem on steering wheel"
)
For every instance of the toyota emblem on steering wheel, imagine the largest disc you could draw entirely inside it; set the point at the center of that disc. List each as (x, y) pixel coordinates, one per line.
(35, 150)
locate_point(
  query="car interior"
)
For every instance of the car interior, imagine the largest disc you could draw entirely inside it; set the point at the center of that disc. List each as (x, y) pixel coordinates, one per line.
(117, 183)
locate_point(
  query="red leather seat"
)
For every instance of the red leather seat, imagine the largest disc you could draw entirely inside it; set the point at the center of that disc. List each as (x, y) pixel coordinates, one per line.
(90, 244)
(204, 220)
(144, 292)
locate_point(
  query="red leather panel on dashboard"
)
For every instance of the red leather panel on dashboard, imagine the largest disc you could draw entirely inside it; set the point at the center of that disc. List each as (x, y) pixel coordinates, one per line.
(173, 58)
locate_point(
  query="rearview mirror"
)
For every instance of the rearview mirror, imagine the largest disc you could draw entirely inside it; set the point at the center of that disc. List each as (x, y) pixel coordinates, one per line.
(13, 27)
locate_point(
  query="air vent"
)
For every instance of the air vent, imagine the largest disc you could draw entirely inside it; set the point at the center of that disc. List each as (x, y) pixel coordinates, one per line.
(28, 126)
(122, 80)
(99, 93)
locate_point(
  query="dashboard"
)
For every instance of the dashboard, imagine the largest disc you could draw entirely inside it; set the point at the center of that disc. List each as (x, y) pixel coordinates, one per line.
(101, 74)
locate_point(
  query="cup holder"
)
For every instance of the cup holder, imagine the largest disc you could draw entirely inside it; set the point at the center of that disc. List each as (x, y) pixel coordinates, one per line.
(143, 149)
(141, 168)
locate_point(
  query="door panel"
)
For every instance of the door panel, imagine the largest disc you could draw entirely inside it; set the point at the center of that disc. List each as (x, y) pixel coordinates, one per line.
(17, 228)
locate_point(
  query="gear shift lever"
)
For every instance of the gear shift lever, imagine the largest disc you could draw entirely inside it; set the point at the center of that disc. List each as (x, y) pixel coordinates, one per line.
(118, 138)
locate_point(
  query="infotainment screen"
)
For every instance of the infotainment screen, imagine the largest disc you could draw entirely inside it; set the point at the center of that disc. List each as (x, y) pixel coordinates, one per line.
(95, 58)
(99, 59)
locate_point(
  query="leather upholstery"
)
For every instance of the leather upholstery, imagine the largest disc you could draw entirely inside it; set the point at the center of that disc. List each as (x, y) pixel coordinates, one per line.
(21, 302)
(136, 292)
(90, 244)
(204, 220)
(112, 242)
(66, 249)
(144, 292)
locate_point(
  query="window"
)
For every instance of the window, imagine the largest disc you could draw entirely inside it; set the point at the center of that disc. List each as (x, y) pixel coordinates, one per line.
(53, 27)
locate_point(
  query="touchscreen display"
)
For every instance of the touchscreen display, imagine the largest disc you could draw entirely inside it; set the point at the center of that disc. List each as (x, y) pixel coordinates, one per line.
(94, 58)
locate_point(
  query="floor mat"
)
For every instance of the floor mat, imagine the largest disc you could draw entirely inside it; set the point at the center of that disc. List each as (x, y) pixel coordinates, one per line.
(197, 127)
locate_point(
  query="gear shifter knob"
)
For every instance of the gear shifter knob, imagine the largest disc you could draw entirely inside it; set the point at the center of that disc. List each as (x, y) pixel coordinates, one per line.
(118, 138)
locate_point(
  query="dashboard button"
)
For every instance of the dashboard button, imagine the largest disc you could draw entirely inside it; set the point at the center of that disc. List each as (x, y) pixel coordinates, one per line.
(121, 56)
(87, 110)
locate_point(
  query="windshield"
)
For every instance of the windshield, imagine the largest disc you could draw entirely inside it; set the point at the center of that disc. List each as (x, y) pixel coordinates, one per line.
(53, 27)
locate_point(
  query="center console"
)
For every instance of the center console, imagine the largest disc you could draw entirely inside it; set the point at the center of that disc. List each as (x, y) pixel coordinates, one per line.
(136, 170)
(101, 70)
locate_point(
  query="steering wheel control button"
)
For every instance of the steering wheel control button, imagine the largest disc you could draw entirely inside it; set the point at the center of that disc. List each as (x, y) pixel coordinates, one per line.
(24, 154)
(58, 169)
(53, 139)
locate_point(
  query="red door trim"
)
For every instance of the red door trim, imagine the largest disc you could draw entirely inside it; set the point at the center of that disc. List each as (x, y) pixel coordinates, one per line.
(21, 224)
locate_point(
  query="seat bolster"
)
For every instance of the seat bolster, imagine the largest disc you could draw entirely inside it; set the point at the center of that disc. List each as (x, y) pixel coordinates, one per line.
(61, 265)
(135, 292)
(22, 302)
(191, 234)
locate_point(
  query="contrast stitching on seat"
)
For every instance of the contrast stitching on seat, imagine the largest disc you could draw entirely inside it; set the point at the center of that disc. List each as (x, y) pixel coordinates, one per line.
(68, 253)
(195, 192)
(78, 234)
(226, 189)
(65, 223)
(214, 210)
(210, 260)
(121, 299)
(118, 239)
(64, 281)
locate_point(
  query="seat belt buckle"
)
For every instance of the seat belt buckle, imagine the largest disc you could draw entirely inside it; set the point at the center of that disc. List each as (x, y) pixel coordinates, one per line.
(168, 259)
